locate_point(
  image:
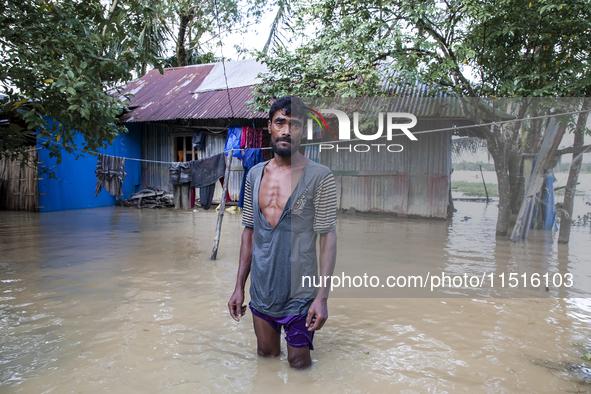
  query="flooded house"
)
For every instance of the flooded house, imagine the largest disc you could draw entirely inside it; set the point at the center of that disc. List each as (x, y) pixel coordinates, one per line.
(204, 100)
(409, 172)
(166, 111)
(186, 113)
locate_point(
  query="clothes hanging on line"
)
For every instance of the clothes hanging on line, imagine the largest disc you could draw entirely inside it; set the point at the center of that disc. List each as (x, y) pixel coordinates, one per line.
(243, 138)
(206, 195)
(206, 172)
(180, 173)
(312, 153)
(233, 142)
(199, 140)
(251, 158)
(254, 137)
(110, 174)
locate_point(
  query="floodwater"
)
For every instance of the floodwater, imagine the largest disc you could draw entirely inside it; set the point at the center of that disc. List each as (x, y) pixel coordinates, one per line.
(582, 204)
(122, 300)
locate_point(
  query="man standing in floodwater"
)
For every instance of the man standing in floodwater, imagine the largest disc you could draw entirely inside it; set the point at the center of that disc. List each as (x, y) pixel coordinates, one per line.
(288, 201)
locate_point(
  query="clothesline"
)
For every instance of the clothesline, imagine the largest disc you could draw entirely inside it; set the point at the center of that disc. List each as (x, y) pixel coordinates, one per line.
(339, 141)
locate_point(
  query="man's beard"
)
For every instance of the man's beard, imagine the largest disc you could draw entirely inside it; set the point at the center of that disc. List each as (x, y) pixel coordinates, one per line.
(283, 152)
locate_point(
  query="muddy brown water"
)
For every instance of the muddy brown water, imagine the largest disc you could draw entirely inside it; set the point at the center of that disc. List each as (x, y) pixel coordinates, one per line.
(127, 301)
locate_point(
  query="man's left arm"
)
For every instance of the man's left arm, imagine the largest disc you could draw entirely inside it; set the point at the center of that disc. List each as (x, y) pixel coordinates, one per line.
(318, 312)
(325, 204)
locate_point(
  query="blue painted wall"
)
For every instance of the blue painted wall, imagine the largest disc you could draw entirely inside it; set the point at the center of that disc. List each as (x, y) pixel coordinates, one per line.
(75, 183)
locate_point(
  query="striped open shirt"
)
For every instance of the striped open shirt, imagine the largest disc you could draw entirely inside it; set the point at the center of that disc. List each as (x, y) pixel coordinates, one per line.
(284, 253)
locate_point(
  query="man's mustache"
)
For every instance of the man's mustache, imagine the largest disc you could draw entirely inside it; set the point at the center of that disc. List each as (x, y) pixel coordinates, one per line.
(286, 139)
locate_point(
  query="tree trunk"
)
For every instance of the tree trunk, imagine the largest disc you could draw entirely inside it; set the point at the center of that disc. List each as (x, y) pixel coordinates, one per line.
(516, 182)
(573, 176)
(521, 145)
(181, 51)
(505, 193)
(498, 151)
(552, 137)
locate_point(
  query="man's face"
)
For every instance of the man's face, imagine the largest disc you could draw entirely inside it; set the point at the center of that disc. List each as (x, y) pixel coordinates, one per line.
(286, 133)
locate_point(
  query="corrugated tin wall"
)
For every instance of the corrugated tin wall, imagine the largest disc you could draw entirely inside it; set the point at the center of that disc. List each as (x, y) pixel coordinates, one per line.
(415, 181)
(157, 144)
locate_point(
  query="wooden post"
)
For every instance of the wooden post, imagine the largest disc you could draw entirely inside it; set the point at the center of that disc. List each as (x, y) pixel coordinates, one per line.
(218, 229)
(186, 196)
(573, 175)
(484, 183)
(176, 193)
(552, 138)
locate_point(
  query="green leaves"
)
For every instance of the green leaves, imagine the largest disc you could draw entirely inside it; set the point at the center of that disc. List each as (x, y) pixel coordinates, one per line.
(466, 48)
(58, 67)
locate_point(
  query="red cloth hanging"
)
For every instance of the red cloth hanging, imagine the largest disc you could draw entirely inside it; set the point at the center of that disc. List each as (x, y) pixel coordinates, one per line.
(254, 137)
(243, 138)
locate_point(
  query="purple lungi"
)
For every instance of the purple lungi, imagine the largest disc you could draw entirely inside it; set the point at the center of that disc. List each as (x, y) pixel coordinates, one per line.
(296, 332)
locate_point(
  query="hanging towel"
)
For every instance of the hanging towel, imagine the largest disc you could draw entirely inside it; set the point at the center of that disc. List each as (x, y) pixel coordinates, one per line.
(252, 157)
(110, 173)
(206, 172)
(233, 141)
(180, 173)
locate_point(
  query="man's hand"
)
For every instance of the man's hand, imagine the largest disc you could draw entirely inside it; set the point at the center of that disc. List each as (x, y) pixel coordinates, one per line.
(236, 305)
(317, 314)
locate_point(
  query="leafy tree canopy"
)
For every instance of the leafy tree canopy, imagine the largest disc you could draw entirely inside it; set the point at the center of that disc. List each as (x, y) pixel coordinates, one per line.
(61, 60)
(466, 48)
(505, 48)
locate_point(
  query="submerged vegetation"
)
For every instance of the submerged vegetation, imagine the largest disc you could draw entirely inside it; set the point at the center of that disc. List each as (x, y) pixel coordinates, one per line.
(471, 166)
(475, 189)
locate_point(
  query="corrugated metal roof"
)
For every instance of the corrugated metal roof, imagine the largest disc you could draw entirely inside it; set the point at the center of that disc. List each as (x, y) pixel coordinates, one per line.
(214, 105)
(172, 96)
(158, 97)
(428, 101)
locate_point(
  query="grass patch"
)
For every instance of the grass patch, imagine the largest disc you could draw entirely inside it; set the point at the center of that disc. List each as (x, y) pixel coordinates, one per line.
(475, 189)
(560, 192)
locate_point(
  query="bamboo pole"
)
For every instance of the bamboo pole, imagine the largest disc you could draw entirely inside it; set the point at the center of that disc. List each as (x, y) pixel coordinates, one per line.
(218, 229)
(484, 183)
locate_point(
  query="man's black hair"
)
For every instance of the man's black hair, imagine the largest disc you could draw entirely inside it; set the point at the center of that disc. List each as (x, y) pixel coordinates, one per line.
(290, 106)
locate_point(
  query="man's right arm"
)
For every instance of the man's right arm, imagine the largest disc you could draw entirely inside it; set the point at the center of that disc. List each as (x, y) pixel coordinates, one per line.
(236, 303)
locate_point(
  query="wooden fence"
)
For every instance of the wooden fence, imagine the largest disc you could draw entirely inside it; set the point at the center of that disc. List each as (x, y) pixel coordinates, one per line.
(18, 185)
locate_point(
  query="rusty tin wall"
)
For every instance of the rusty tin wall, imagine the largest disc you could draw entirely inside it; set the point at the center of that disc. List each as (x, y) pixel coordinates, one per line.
(157, 145)
(414, 182)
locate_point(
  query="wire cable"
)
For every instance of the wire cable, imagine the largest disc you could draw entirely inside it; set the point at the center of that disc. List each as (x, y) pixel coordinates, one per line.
(338, 141)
